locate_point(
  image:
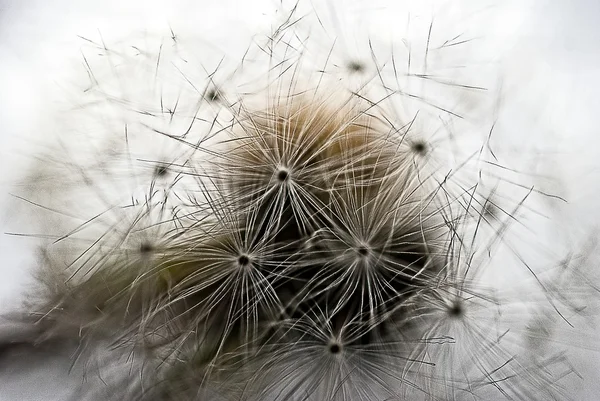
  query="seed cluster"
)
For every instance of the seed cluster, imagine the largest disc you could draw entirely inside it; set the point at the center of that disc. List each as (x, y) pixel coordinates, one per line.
(322, 232)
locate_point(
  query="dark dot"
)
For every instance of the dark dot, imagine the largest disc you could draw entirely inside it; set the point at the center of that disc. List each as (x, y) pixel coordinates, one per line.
(161, 171)
(363, 251)
(456, 310)
(334, 348)
(489, 209)
(212, 95)
(146, 247)
(419, 147)
(356, 66)
(282, 175)
(243, 260)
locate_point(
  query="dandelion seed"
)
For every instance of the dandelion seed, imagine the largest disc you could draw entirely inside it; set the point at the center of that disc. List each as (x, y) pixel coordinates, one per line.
(213, 95)
(419, 148)
(146, 248)
(161, 171)
(282, 175)
(456, 309)
(355, 67)
(335, 349)
(363, 251)
(243, 260)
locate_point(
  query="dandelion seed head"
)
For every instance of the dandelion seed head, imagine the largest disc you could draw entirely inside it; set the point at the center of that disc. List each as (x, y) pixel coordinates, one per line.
(315, 226)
